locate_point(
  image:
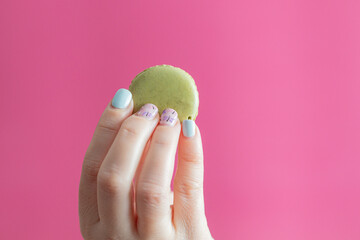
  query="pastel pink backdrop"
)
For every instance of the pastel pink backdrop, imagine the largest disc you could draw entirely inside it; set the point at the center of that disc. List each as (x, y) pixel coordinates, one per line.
(279, 85)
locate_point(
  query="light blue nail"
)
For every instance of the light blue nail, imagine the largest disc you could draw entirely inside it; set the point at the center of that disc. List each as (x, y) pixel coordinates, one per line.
(122, 98)
(188, 128)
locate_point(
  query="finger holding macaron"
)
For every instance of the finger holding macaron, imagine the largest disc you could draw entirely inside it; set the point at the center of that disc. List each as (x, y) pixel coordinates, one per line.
(175, 94)
(125, 190)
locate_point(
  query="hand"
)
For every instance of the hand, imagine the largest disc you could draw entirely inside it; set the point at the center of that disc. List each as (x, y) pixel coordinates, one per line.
(125, 181)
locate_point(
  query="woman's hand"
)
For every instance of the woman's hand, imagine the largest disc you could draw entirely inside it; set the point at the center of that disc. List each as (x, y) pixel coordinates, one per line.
(125, 181)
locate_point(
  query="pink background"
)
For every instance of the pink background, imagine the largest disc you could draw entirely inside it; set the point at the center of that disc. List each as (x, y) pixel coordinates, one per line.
(279, 85)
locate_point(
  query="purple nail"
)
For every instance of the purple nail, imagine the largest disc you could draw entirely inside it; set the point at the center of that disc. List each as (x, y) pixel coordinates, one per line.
(148, 111)
(168, 117)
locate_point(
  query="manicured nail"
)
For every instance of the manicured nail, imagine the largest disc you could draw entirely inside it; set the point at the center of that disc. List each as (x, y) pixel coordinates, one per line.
(188, 128)
(122, 98)
(148, 111)
(168, 117)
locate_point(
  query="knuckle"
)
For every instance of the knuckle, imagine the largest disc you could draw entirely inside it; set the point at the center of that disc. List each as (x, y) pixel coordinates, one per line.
(189, 188)
(164, 137)
(129, 130)
(195, 157)
(111, 183)
(162, 141)
(151, 195)
(90, 167)
(108, 126)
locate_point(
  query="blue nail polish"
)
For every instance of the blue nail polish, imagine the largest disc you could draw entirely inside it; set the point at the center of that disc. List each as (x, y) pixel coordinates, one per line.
(188, 128)
(122, 98)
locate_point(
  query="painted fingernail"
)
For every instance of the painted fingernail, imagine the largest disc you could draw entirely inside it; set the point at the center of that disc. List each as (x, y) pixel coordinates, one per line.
(168, 117)
(122, 98)
(188, 128)
(148, 111)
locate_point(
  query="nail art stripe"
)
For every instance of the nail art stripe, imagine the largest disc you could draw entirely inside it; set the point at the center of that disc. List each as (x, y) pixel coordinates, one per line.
(168, 117)
(148, 111)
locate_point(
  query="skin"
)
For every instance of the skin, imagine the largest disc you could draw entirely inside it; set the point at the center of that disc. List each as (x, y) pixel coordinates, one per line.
(125, 182)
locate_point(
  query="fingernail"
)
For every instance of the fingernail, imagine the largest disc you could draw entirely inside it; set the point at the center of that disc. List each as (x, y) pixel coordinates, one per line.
(168, 117)
(148, 111)
(122, 98)
(188, 128)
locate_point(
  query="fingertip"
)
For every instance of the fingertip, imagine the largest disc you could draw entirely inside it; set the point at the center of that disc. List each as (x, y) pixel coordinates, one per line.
(188, 128)
(190, 131)
(148, 111)
(121, 99)
(190, 148)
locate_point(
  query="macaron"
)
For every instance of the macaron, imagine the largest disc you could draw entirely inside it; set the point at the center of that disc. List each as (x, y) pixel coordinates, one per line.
(166, 86)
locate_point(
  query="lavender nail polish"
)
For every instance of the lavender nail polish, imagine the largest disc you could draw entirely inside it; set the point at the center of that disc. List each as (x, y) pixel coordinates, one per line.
(148, 111)
(168, 117)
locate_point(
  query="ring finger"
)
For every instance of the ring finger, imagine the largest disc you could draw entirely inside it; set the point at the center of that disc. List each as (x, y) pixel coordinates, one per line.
(153, 187)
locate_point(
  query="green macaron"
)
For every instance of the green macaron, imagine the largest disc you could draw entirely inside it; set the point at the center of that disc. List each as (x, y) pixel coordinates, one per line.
(166, 87)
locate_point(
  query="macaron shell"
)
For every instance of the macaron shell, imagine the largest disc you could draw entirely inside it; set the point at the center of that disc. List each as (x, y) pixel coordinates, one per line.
(166, 87)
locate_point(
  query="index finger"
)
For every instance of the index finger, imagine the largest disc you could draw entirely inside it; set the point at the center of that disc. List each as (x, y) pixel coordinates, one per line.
(106, 130)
